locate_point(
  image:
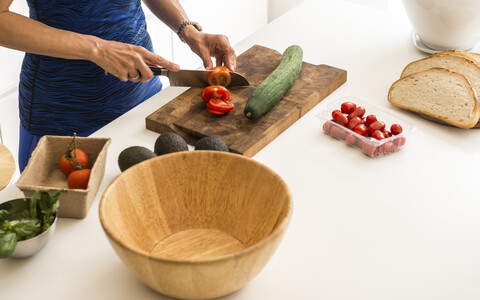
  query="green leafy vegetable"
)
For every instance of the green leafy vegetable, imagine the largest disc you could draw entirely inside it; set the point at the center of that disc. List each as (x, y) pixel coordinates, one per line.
(26, 218)
(8, 241)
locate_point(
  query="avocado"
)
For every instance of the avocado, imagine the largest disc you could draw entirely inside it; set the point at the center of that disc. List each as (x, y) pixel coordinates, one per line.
(169, 142)
(211, 143)
(133, 155)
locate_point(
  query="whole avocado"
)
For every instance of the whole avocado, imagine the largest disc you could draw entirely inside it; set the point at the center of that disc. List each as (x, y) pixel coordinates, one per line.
(169, 142)
(211, 143)
(133, 155)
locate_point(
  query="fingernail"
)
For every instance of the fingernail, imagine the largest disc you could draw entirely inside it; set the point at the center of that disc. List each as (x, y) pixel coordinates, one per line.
(176, 67)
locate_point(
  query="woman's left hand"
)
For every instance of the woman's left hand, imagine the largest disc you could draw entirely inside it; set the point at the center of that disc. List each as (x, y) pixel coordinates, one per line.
(207, 45)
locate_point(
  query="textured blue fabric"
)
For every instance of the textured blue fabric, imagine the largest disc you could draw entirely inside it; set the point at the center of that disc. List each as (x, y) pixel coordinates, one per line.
(61, 96)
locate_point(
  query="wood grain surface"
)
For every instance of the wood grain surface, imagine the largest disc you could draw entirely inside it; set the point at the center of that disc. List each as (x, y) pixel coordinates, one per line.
(188, 236)
(187, 114)
(7, 166)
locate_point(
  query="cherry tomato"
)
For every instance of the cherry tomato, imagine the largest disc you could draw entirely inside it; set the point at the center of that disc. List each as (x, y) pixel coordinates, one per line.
(369, 149)
(79, 179)
(386, 133)
(350, 139)
(388, 147)
(354, 122)
(78, 157)
(219, 105)
(377, 125)
(399, 141)
(215, 91)
(326, 127)
(339, 117)
(221, 76)
(361, 129)
(348, 107)
(378, 135)
(358, 112)
(370, 119)
(338, 132)
(396, 129)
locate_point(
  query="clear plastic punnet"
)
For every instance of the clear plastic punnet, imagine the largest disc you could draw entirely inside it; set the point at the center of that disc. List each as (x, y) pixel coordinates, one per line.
(374, 144)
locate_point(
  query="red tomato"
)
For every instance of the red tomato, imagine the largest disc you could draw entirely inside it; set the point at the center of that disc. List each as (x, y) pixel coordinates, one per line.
(327, 126)
(79, 179)
(354, 122)
(215, 91)
(215, 112)
(361, 129)
(369, 149)
(219, 105)
(370, 119)
(386, 133)
(396, 129)
(338, 132)
(350, 139)
(378, 135)
(339, 117)
(348, 107)
(221, 76)
(70, 160)
(399, 141)
(358, 112)
(388, 147)
(377, 125)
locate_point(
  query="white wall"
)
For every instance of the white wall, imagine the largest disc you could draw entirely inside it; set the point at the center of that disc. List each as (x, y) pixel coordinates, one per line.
(276, 8)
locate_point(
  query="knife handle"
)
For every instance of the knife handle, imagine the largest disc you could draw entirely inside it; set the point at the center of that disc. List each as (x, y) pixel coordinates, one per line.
(159, 71)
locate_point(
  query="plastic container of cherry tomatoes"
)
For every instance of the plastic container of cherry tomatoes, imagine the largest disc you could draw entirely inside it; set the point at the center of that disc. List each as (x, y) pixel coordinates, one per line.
(354, 136)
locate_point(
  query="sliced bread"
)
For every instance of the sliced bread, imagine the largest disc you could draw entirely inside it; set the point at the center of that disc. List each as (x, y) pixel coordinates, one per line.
(471, 55)
(458, 63)
(439, 93)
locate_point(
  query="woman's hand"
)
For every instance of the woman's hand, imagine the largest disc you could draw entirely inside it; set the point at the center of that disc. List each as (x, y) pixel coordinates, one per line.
(210, 45)
(128, 62)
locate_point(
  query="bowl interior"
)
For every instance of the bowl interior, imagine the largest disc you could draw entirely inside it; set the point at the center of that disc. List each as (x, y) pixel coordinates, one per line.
(196, 205)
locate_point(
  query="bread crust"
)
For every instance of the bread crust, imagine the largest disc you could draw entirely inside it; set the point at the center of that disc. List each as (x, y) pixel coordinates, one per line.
(475, 57)
(476, 111)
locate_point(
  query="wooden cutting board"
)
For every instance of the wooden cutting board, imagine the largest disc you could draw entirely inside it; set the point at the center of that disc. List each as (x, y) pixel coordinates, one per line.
(7, 166)
(187, 114)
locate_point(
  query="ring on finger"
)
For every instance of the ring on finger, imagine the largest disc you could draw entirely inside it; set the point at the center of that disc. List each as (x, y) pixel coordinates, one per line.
(136, 76)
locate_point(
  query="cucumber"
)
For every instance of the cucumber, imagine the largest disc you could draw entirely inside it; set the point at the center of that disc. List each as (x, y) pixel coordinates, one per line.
(276, 85)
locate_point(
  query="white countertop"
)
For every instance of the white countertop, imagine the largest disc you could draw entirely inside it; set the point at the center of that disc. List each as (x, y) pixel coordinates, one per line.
(403, 226)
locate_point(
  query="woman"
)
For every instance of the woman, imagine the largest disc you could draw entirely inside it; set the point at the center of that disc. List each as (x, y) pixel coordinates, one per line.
(71, 45)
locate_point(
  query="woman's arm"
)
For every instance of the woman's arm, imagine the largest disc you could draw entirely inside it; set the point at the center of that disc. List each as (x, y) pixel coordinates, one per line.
(204, 45)
(122, 60)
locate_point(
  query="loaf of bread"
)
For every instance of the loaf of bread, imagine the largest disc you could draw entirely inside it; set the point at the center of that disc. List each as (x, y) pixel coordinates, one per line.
(439, 93)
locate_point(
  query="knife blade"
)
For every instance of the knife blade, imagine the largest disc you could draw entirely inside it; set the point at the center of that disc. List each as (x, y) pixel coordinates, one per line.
(195, 78)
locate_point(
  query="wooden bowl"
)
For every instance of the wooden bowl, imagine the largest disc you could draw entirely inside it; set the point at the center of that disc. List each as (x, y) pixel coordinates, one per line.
(196, 224)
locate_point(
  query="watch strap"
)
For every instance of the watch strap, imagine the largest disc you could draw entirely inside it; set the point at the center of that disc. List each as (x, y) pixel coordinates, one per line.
(186, 23)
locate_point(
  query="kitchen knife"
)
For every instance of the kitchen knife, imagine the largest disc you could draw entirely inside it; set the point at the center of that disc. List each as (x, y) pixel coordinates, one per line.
(195, 78)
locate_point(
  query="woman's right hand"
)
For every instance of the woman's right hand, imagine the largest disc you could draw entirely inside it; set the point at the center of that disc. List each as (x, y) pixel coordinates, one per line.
(128, 62)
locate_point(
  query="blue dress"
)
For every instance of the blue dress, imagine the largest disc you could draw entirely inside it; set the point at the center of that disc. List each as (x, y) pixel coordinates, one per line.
(61, 96)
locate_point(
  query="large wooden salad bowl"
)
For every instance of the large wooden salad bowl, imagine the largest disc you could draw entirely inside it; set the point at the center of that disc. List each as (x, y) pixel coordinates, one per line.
(196, 224)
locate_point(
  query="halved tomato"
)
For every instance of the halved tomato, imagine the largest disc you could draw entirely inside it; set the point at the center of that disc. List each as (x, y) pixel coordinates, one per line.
(216, 112)
(221, 76)
(215, 91)
(219, 105)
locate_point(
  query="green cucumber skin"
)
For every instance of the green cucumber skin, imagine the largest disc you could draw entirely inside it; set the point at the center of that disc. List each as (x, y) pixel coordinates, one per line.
(276, 85)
